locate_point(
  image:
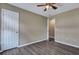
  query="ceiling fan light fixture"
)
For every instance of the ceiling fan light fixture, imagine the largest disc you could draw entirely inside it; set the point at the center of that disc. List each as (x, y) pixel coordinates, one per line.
(47, 7)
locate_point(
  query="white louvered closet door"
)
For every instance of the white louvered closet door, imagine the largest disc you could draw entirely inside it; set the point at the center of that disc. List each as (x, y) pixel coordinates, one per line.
(9, 29)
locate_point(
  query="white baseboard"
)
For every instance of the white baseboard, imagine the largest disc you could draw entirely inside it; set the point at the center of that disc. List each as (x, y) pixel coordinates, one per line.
(67, 44)
(32, 43)
(29, 43)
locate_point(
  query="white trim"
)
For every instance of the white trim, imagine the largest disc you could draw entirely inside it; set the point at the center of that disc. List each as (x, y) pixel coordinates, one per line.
(67, 44)
(32, 43)
(48, 28)
(28, 44)
(55, 29)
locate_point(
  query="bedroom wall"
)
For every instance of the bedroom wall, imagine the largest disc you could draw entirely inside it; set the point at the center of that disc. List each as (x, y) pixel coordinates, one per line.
(67, 28)
(0, 26)
(51, 28)
(33, 27)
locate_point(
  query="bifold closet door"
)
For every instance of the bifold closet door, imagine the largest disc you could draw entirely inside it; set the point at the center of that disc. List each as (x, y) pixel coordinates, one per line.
(9, 29)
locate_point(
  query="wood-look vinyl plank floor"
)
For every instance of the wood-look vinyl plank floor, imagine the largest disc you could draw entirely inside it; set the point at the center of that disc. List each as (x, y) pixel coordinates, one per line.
(43, 48)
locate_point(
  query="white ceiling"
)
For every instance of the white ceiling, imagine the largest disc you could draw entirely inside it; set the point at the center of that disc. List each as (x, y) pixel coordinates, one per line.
(62, 7)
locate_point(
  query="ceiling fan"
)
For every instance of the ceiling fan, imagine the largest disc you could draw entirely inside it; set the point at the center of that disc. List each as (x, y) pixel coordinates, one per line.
(48, 5)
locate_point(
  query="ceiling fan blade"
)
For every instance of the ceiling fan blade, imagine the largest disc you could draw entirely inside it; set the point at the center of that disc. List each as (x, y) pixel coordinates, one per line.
(40, 5)
(52, 3)
(54, 7)
(45, 9)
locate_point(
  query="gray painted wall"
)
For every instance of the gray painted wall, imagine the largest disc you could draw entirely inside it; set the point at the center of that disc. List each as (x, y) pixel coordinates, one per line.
(0, 26)
(67, 28)
(33, 27)
(51, 28)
